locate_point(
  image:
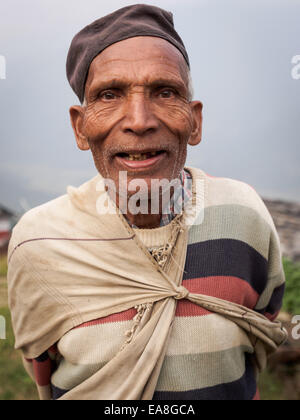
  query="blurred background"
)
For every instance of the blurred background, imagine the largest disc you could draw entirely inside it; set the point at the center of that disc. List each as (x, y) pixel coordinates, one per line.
(245, 58)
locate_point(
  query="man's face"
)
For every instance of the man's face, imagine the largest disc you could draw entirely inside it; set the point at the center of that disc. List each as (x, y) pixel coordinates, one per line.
(138, 116)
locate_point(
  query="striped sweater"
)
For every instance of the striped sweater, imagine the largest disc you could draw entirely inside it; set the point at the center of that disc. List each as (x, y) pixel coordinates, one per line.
(233, 255)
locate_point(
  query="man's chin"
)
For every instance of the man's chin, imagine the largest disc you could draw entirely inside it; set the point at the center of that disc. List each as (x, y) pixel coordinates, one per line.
(144, 181)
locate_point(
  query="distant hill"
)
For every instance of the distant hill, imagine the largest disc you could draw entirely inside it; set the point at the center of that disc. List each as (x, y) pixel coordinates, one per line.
(286, 216)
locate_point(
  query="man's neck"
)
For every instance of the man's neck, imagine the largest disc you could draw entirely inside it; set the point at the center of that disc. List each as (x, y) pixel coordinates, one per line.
(144, 221)
(155, 212)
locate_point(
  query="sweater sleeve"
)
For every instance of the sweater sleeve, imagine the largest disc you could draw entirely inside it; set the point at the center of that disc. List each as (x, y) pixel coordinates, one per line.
(40, 370)
(270, 301)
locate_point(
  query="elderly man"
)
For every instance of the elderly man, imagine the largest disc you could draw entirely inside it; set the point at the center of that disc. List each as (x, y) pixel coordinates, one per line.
(132, 304)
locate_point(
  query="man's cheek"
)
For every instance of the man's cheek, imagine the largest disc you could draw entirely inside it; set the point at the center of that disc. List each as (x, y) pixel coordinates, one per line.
(177, 118)
(176, 113)
(98, 122)
(99, 159)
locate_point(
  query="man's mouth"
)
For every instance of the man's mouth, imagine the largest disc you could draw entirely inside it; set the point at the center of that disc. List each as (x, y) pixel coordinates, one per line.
(139, 156)
(135, 160)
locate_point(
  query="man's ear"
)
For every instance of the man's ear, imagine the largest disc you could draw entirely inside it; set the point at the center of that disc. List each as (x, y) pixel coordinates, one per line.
(196, 135)
(77, 116)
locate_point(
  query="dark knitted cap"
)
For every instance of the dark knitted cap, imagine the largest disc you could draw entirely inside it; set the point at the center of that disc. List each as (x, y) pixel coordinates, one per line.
(128, 22)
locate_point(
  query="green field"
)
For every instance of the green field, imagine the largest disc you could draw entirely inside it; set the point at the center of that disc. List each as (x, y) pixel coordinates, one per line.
(3, 265)
(16, 385)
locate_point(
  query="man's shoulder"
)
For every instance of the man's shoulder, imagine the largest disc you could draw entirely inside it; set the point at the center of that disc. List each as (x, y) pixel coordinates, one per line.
(37, 220)
(224, 191)
(61, 217)
(232, 188)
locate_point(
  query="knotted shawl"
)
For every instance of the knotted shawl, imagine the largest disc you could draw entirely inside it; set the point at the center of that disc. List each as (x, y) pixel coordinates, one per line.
(69, 265)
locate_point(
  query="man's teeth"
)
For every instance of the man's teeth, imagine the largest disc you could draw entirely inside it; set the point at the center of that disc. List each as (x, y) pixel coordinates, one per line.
(144, 156)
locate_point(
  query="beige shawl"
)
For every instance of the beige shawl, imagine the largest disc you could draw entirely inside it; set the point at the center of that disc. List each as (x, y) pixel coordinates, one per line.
(68, 265)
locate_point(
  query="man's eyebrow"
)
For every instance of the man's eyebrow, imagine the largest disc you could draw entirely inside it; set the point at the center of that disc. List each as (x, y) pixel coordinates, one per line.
(164, 82)
(103, 84)
(96, 86)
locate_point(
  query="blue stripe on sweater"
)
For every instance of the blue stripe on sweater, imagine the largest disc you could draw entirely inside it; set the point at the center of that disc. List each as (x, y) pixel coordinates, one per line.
(227, 257)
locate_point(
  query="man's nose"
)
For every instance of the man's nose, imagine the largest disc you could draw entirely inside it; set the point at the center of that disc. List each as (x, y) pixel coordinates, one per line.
(139, 118)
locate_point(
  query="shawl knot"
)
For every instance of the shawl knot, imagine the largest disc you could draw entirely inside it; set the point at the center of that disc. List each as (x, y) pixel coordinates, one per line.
(182, 293)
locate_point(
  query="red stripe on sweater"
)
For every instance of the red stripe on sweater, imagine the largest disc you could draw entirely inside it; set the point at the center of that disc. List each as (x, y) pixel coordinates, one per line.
(189, 309)
(42, 372)
(256, 396)
(271, 317)
(53, 349)
(228, 288)
(232, 289)
(122, 316)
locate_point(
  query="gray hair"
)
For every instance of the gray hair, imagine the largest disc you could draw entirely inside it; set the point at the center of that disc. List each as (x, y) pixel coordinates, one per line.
(190, 86)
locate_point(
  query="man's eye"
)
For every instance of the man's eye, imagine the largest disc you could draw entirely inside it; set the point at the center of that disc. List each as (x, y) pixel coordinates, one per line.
(108, 96)
(166, 93)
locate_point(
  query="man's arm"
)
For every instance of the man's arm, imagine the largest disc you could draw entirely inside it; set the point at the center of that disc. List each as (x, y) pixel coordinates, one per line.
(40, 370)
(270, 302)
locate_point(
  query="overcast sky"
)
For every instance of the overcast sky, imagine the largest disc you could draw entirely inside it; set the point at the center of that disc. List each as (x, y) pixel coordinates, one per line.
(241, 55)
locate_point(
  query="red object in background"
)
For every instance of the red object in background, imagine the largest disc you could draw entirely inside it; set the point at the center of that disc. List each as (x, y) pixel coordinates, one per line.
(7, 220)
(5, 232)
(4, 235)
(4, 241)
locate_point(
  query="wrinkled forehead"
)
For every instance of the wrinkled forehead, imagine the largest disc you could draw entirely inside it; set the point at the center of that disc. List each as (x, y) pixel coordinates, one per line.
(145, 53)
